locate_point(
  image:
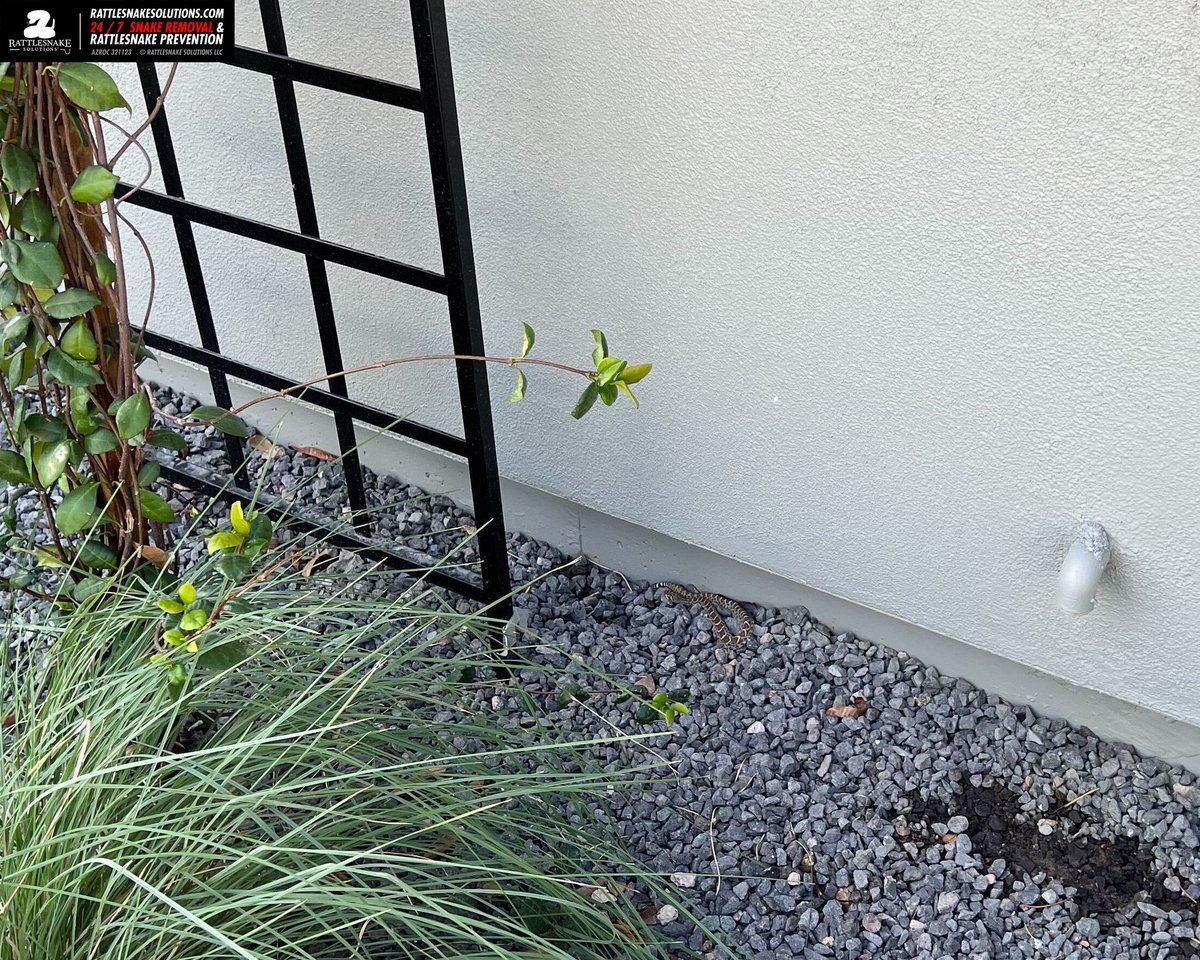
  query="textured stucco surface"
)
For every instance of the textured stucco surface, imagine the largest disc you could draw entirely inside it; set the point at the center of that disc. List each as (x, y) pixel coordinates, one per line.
(920, 282)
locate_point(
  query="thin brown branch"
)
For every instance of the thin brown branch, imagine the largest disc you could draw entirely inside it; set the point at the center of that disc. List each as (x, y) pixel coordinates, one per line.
(366, 368)
(141, 128)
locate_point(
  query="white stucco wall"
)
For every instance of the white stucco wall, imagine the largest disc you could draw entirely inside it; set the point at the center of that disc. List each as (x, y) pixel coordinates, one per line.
(921, 283)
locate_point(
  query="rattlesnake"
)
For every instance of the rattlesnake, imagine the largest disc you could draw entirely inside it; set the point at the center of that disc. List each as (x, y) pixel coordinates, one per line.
(712, 604)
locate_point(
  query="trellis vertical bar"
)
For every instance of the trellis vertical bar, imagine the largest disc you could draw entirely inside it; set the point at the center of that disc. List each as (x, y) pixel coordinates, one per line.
(318, 274)
(458, 264)
(190, 256)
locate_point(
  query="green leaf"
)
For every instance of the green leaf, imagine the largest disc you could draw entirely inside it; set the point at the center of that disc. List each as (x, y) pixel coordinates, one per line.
(261, 532)
(77, 509)
(527, 342)
(148, 474)
(233, 566)
(12, 467)
(32, 216)
(20, 366)
(187, 592)
(155, 507)
(78, 341)
(45, 428)
(20, 169)
(74, 373)
(465, 674)
(93, 553)
(224, 540)
(48, 557)
(193, 620)
(9, 291)
(16, 328)
(167, 605)
(72, 302)
(237, 517)
(133, 416)
(223, 420)
(80, 405)
(168, 440)
(224, 655)
(608, 393)
(572, 692)
(52, 461)
(646, 714)
(680, 695)
(89, 587)
(106, 270)
(635, 373)
(624, 388)
(95, 184)
(586, 401)
(90, 87)
(102, 441)
(34, 262)
(518, 393)
(608, 369)
(601, 350)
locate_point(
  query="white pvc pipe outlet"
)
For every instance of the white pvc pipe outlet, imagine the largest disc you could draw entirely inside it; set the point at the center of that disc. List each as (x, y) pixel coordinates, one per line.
(1082, 568)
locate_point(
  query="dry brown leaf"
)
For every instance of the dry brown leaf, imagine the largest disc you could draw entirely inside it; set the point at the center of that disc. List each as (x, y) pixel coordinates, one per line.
(649, 914)
(625, 931)
(307, 570)
(318, 453)
(8, 721)
(153, 554)
(265, 446)
(856, 708)
(949, 838)
(470, 528)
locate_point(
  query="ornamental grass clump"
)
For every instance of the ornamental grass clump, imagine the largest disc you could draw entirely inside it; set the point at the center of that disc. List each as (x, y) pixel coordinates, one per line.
(329, 789)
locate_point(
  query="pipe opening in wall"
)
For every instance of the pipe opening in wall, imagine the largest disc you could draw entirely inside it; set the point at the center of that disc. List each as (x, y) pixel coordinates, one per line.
(1081, 570)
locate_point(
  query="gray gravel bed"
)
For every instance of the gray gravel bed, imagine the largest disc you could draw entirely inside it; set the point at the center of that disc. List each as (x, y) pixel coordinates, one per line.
(802, 834)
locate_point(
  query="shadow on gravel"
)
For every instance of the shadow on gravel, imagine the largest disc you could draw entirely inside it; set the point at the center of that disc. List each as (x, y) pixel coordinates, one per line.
(1108, 875)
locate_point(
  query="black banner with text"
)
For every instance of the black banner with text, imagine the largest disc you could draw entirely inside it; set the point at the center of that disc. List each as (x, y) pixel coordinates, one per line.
(58, 30)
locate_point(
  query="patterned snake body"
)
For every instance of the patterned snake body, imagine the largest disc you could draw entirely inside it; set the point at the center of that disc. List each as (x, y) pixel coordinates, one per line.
(712, 604)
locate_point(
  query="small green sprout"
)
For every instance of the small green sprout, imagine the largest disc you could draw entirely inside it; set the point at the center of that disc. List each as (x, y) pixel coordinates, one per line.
(241, 542)
(609, 378)
(665, 706)
(186, 619)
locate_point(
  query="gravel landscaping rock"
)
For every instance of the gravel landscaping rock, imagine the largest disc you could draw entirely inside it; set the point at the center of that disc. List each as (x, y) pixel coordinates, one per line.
(941, 822)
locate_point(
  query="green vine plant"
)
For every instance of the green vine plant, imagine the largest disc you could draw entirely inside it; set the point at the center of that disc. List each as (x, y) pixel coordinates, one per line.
(76, 416)
(608, 378)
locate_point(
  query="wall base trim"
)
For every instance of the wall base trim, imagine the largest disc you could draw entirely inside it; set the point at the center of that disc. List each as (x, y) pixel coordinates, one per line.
(646, 554)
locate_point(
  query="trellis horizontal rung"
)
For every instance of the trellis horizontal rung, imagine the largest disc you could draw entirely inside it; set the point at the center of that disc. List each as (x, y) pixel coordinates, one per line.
(314, 395)
(287, 239)
(461, 581)
(328, 78)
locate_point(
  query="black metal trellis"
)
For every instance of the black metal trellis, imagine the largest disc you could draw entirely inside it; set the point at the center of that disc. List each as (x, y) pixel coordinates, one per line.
(435, 100)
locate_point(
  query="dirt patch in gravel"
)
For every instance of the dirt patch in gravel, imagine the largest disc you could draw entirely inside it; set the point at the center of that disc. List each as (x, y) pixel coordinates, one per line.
(1107, 874)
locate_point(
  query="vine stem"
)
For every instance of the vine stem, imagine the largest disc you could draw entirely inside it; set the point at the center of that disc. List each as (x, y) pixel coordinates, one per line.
(380, 365)
(131, 138)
